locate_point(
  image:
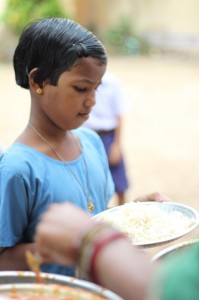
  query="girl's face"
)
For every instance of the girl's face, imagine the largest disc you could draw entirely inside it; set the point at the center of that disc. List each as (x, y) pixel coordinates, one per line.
(69, 103)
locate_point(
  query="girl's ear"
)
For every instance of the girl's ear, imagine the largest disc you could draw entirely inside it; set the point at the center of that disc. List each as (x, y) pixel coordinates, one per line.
(37, 88)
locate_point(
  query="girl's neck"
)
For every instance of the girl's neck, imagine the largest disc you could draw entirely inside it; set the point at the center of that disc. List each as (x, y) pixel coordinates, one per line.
(63, 143)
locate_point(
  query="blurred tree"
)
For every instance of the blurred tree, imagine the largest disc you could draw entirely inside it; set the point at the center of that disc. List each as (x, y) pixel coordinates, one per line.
(122, 38)
(18, 13)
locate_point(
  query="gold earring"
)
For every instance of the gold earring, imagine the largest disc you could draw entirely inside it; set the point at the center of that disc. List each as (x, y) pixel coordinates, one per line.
(39, 91)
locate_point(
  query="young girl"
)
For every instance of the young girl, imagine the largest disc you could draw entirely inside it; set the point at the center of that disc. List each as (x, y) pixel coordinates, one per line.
(61, 63)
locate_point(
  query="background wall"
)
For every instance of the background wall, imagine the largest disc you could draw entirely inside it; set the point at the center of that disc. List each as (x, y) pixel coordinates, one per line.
(174, 15)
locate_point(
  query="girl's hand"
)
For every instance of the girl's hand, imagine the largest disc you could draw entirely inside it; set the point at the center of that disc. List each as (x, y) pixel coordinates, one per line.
(156, 196)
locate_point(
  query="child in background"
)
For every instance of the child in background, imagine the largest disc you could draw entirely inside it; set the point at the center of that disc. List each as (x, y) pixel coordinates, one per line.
(106, 120)
(61, 64)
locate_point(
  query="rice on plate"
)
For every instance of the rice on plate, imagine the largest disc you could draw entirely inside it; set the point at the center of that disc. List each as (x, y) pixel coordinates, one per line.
(148, 223)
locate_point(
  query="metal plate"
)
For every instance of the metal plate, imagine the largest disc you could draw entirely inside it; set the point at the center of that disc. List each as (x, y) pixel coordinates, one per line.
(26, 280)
(174, 249)
(169, 209)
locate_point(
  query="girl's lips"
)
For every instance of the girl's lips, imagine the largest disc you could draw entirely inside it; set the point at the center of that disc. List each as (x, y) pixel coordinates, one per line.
(84, 115)
(87, 112)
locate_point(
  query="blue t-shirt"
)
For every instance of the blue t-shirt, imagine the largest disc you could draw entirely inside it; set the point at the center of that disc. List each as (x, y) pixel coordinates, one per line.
(30, 181)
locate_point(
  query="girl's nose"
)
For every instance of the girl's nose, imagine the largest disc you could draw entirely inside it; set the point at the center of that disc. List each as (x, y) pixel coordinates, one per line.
(90, 100)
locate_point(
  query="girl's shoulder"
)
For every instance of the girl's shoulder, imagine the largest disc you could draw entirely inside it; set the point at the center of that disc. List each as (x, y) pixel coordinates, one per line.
(20, 158)
(19, 151)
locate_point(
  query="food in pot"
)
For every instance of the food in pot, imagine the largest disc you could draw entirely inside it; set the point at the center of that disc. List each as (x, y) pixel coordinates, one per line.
(34, 262)
(50, 292)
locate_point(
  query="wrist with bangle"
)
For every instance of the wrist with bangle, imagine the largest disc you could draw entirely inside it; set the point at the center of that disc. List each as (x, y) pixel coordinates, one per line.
(94, 239)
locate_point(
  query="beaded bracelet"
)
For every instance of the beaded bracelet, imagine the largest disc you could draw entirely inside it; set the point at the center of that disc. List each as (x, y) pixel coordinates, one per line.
(84, 247)
(89, 246)
(98, 246)
(87, 236)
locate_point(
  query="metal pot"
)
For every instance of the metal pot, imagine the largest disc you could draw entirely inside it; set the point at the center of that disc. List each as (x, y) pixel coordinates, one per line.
(26, 281)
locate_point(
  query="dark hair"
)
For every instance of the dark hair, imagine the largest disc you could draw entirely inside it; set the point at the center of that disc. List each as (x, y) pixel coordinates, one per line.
(53, 45)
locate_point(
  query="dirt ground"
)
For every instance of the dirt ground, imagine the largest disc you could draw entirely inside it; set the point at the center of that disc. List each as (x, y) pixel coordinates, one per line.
(161, 128)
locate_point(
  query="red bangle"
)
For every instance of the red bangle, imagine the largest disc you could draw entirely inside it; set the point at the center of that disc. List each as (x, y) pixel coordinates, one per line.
(99, 245)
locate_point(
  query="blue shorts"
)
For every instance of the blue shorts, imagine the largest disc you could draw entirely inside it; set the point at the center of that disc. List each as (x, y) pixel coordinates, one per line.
(118, 171)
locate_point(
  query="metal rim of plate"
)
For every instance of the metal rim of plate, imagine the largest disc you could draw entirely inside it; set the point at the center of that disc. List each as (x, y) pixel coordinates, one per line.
(167, 207)
(24, 280)
(169, 250)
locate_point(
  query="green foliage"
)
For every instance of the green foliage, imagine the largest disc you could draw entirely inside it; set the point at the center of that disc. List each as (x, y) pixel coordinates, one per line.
(123, 39)
(19, 13)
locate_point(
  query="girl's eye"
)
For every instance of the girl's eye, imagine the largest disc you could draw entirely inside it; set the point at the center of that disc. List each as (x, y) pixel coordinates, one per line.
(80, 90)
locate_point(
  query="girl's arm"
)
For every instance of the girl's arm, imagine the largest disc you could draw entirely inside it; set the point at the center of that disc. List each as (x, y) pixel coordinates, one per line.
(115, 152)
(13, 258)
